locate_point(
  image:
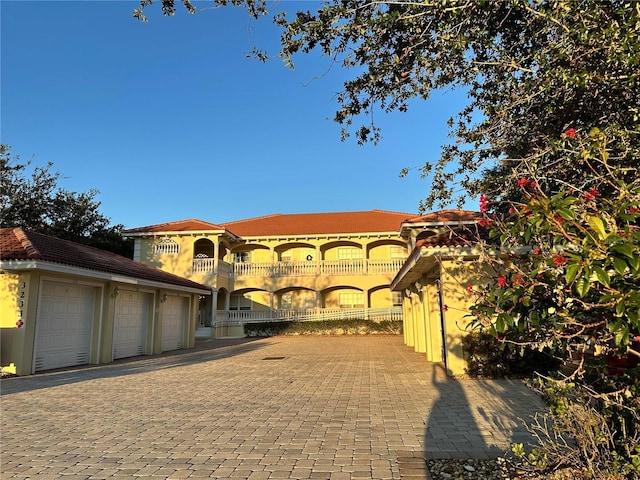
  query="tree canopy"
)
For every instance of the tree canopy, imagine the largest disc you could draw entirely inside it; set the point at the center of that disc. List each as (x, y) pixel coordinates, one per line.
(36, 202)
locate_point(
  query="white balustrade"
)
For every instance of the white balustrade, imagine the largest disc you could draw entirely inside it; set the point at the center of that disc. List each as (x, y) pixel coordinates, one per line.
(242, 317)
(203, 265)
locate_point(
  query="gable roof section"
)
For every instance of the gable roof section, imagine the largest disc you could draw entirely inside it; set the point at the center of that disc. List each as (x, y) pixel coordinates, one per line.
(463, 236)
(191, 225)
(424, 255)
(372, 221)
(21, 245)
(446, 216)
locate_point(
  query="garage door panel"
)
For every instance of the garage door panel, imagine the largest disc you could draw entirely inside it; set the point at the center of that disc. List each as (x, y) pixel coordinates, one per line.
(174, 321)
(64, 325)
(130, 326)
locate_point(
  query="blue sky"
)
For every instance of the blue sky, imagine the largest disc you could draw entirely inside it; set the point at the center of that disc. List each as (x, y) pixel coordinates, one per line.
(170, 120)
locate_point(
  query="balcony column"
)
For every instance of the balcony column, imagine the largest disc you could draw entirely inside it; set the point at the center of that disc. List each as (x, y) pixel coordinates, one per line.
(214, 306)
(227, 301)
(366, 304)
(271, 302)
(272, 267)
(216, 253)
(365, 260)
(318, 304)
(318, 259)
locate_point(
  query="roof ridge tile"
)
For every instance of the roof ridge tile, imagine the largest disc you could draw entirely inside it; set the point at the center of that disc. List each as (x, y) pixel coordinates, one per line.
(30, 248)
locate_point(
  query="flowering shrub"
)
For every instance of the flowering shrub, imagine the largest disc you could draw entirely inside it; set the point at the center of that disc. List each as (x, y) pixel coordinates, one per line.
(570, 282)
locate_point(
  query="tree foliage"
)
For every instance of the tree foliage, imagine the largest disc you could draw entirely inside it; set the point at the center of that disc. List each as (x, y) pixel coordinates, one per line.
(36, 202)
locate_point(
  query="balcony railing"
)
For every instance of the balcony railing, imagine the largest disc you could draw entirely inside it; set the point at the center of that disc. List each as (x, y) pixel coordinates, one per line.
(207, 265)
(241, 317)
(323, 267)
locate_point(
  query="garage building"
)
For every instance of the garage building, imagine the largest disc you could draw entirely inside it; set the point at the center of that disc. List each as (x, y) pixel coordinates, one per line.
(64, 304)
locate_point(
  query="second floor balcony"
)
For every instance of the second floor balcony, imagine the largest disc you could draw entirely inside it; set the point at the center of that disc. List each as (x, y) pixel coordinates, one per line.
(322, 267)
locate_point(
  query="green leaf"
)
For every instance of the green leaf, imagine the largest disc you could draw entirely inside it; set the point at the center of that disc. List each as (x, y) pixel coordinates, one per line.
(582, 286)
(619, 265)
(601, 275)
(572, 271)
(620, 307)
(566, 213)
(598, 226)
(624, 249)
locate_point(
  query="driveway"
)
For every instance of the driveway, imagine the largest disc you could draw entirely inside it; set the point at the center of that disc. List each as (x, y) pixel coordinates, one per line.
(358, 407)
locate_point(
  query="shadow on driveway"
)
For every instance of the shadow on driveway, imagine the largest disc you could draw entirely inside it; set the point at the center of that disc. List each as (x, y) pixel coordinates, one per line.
(205, 350)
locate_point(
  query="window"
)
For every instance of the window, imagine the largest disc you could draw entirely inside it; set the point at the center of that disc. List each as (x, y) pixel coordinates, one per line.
(307, 300)
(397, 251)
(351, 300)
(286, 301)
(242, 257)
(240, 302)
(349, 253)
(396, 299)
(166, 247)
(286, 256)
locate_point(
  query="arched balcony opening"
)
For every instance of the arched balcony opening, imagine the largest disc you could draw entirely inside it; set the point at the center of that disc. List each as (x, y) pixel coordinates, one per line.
(208, 257)
(385, 256)
(251, 260)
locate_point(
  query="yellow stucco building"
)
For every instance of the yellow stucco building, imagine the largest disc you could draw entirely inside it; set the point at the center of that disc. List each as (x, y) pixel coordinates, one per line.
(322, 266)
(64, 304)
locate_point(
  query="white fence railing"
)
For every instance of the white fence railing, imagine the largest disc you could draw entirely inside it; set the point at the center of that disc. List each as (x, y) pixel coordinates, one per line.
(322, 267)
(242, 317)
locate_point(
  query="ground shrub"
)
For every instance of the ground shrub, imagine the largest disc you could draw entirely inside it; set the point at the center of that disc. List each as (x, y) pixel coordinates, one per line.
(327, 327)
(487, 357)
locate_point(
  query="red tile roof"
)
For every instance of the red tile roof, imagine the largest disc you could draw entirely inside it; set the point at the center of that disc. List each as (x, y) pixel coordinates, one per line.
(319, 223)
(179, 226)
(18, 244)
(447, 216)
(464, 236)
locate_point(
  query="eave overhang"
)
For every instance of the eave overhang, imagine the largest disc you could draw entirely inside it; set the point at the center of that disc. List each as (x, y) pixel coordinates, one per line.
(40, 265)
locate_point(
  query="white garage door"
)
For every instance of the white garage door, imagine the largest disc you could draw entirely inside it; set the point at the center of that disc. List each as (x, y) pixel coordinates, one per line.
(65, 319)
(130, 324)
(174, 320)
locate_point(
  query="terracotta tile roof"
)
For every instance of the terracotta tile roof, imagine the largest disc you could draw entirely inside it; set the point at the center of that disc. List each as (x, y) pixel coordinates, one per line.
(444, 216)
(319, 223)
(464, 236)
(19, 244)
(179, 226)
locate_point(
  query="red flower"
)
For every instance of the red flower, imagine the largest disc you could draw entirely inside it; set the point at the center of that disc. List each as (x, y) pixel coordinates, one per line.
(591, 194)
(484, 202)
(484, 222)
(445, 308)
(512, 210)
(523, 182)
(536, 251)
(533, 185)
(518, 279)
(559, 260)
(633, 210)
(570, 133)
(469, 288)
(502, 281)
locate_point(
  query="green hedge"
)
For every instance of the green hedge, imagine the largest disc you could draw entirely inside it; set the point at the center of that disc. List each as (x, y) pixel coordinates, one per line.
(327, 327)
(489, 358)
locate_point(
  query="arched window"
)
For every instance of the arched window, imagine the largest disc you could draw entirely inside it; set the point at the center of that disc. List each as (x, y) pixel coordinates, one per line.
(166, 247)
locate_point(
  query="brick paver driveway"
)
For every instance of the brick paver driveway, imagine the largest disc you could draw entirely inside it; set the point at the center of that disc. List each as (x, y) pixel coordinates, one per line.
(278, 408)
